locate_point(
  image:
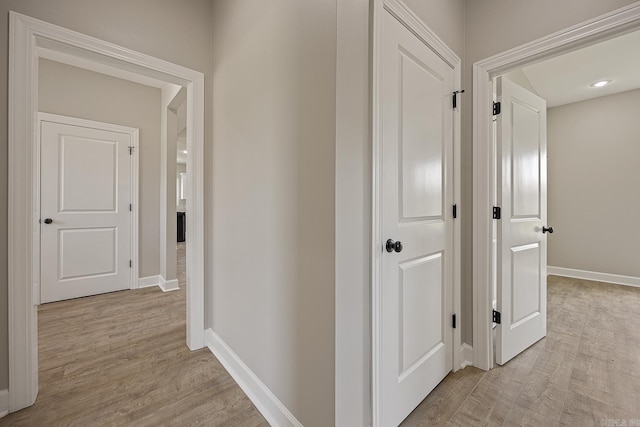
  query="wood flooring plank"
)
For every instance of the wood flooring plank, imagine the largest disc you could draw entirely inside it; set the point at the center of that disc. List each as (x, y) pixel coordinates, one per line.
(121, 359)
(585, 372)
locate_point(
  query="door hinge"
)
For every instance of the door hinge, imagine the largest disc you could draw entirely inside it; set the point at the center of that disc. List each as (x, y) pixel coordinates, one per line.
(130, 207)
(455, 97)
(130, 150)
(497, 212)
(130, 263)
(455, 211)
(497, 317)
(497, 108)
(453, 321)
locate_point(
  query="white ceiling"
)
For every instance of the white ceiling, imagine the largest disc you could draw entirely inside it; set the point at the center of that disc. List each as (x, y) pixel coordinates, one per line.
(567, 78)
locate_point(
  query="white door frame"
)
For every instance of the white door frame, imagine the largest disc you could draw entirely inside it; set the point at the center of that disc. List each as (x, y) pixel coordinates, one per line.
(606, 26)
(410, 20)
(28, 38)
(134, 135)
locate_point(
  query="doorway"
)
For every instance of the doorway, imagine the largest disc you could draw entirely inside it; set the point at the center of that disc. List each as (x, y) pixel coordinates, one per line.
(606, 27)
(415, 289)
(31, 39)
(87, 187)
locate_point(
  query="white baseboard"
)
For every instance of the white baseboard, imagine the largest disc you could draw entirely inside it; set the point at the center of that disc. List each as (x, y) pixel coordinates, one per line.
(4, 402)
(168, 285)
(466, 352)
(267, 403)
(147, 282)
(165, 285)
(616, 279)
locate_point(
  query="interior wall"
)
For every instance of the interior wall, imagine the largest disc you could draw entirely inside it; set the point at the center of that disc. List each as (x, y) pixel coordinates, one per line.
(593, 178)
(492, 27)
(142, 26)
(274, 209)
(75, 92)
(181, 205)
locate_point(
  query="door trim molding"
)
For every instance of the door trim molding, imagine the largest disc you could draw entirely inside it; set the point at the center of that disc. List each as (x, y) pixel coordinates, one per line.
(28, 38)
(411, 21)
(134, 135)
(606, 26)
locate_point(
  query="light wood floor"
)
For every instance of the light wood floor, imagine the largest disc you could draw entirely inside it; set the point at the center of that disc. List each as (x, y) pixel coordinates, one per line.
(121, 359)
(586, 372)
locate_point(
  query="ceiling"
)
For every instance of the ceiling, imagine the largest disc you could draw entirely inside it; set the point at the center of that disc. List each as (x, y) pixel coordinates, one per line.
(567, 78)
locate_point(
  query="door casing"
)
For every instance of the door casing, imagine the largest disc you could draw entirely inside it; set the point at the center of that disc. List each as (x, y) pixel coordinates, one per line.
(30, 39)
(604, 27)
(135, 164)
(401, 11)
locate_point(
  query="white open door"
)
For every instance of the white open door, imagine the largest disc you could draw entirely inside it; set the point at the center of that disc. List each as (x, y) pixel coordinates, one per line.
(417, 221)
(86, 222)
(522, 197)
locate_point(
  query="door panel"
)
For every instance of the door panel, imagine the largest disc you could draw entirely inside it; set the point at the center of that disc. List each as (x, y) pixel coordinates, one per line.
(85, 191)
(522, 247)
(417, 186)
(87, 252)
(88, 164)
(421, 163)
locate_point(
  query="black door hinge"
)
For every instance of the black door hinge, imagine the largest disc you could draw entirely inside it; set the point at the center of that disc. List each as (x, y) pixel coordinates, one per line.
(453, 321)
(497, 317)
(130, 263)
(497, 108)
(130, 207)
(455, 97)
(497, 212)
(455, 211)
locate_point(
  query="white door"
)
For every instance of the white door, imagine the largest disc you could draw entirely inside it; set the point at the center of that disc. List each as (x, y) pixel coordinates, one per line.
(417, 197)
(522, 197)
(84, 203)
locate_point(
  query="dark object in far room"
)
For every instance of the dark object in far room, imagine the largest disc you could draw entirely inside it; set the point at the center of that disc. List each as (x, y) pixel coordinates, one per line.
(182, 226)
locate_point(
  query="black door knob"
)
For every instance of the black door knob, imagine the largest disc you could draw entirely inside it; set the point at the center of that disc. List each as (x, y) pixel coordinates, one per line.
(48, 220)
(394, 246)
(547, 230)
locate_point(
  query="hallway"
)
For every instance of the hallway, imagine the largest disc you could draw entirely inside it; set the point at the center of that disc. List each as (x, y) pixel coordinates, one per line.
(121, 359)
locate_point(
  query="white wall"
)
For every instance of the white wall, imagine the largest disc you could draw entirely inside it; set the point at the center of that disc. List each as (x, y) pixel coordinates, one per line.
(75, 92)
(274, 209)
(167, 30)
(594, 203)
(181, 205)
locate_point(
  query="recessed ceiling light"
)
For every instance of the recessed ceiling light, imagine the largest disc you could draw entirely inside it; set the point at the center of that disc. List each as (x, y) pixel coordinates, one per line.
(601, 83)
(184, 151)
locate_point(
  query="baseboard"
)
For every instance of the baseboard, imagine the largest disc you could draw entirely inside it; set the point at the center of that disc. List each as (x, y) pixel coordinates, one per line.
(4, 402)
(159, 281)
(616, 279)
(147, 282)
(466, 352)
(267, 403)
(168, 285)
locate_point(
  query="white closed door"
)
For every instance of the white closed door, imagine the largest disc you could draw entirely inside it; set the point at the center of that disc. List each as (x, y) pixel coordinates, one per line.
(522, 197)
(417, 197)
(84, 203)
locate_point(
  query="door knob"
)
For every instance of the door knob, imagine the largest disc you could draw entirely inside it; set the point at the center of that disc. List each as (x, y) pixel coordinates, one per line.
(547, 229)
(48, 220)
(394, 246)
